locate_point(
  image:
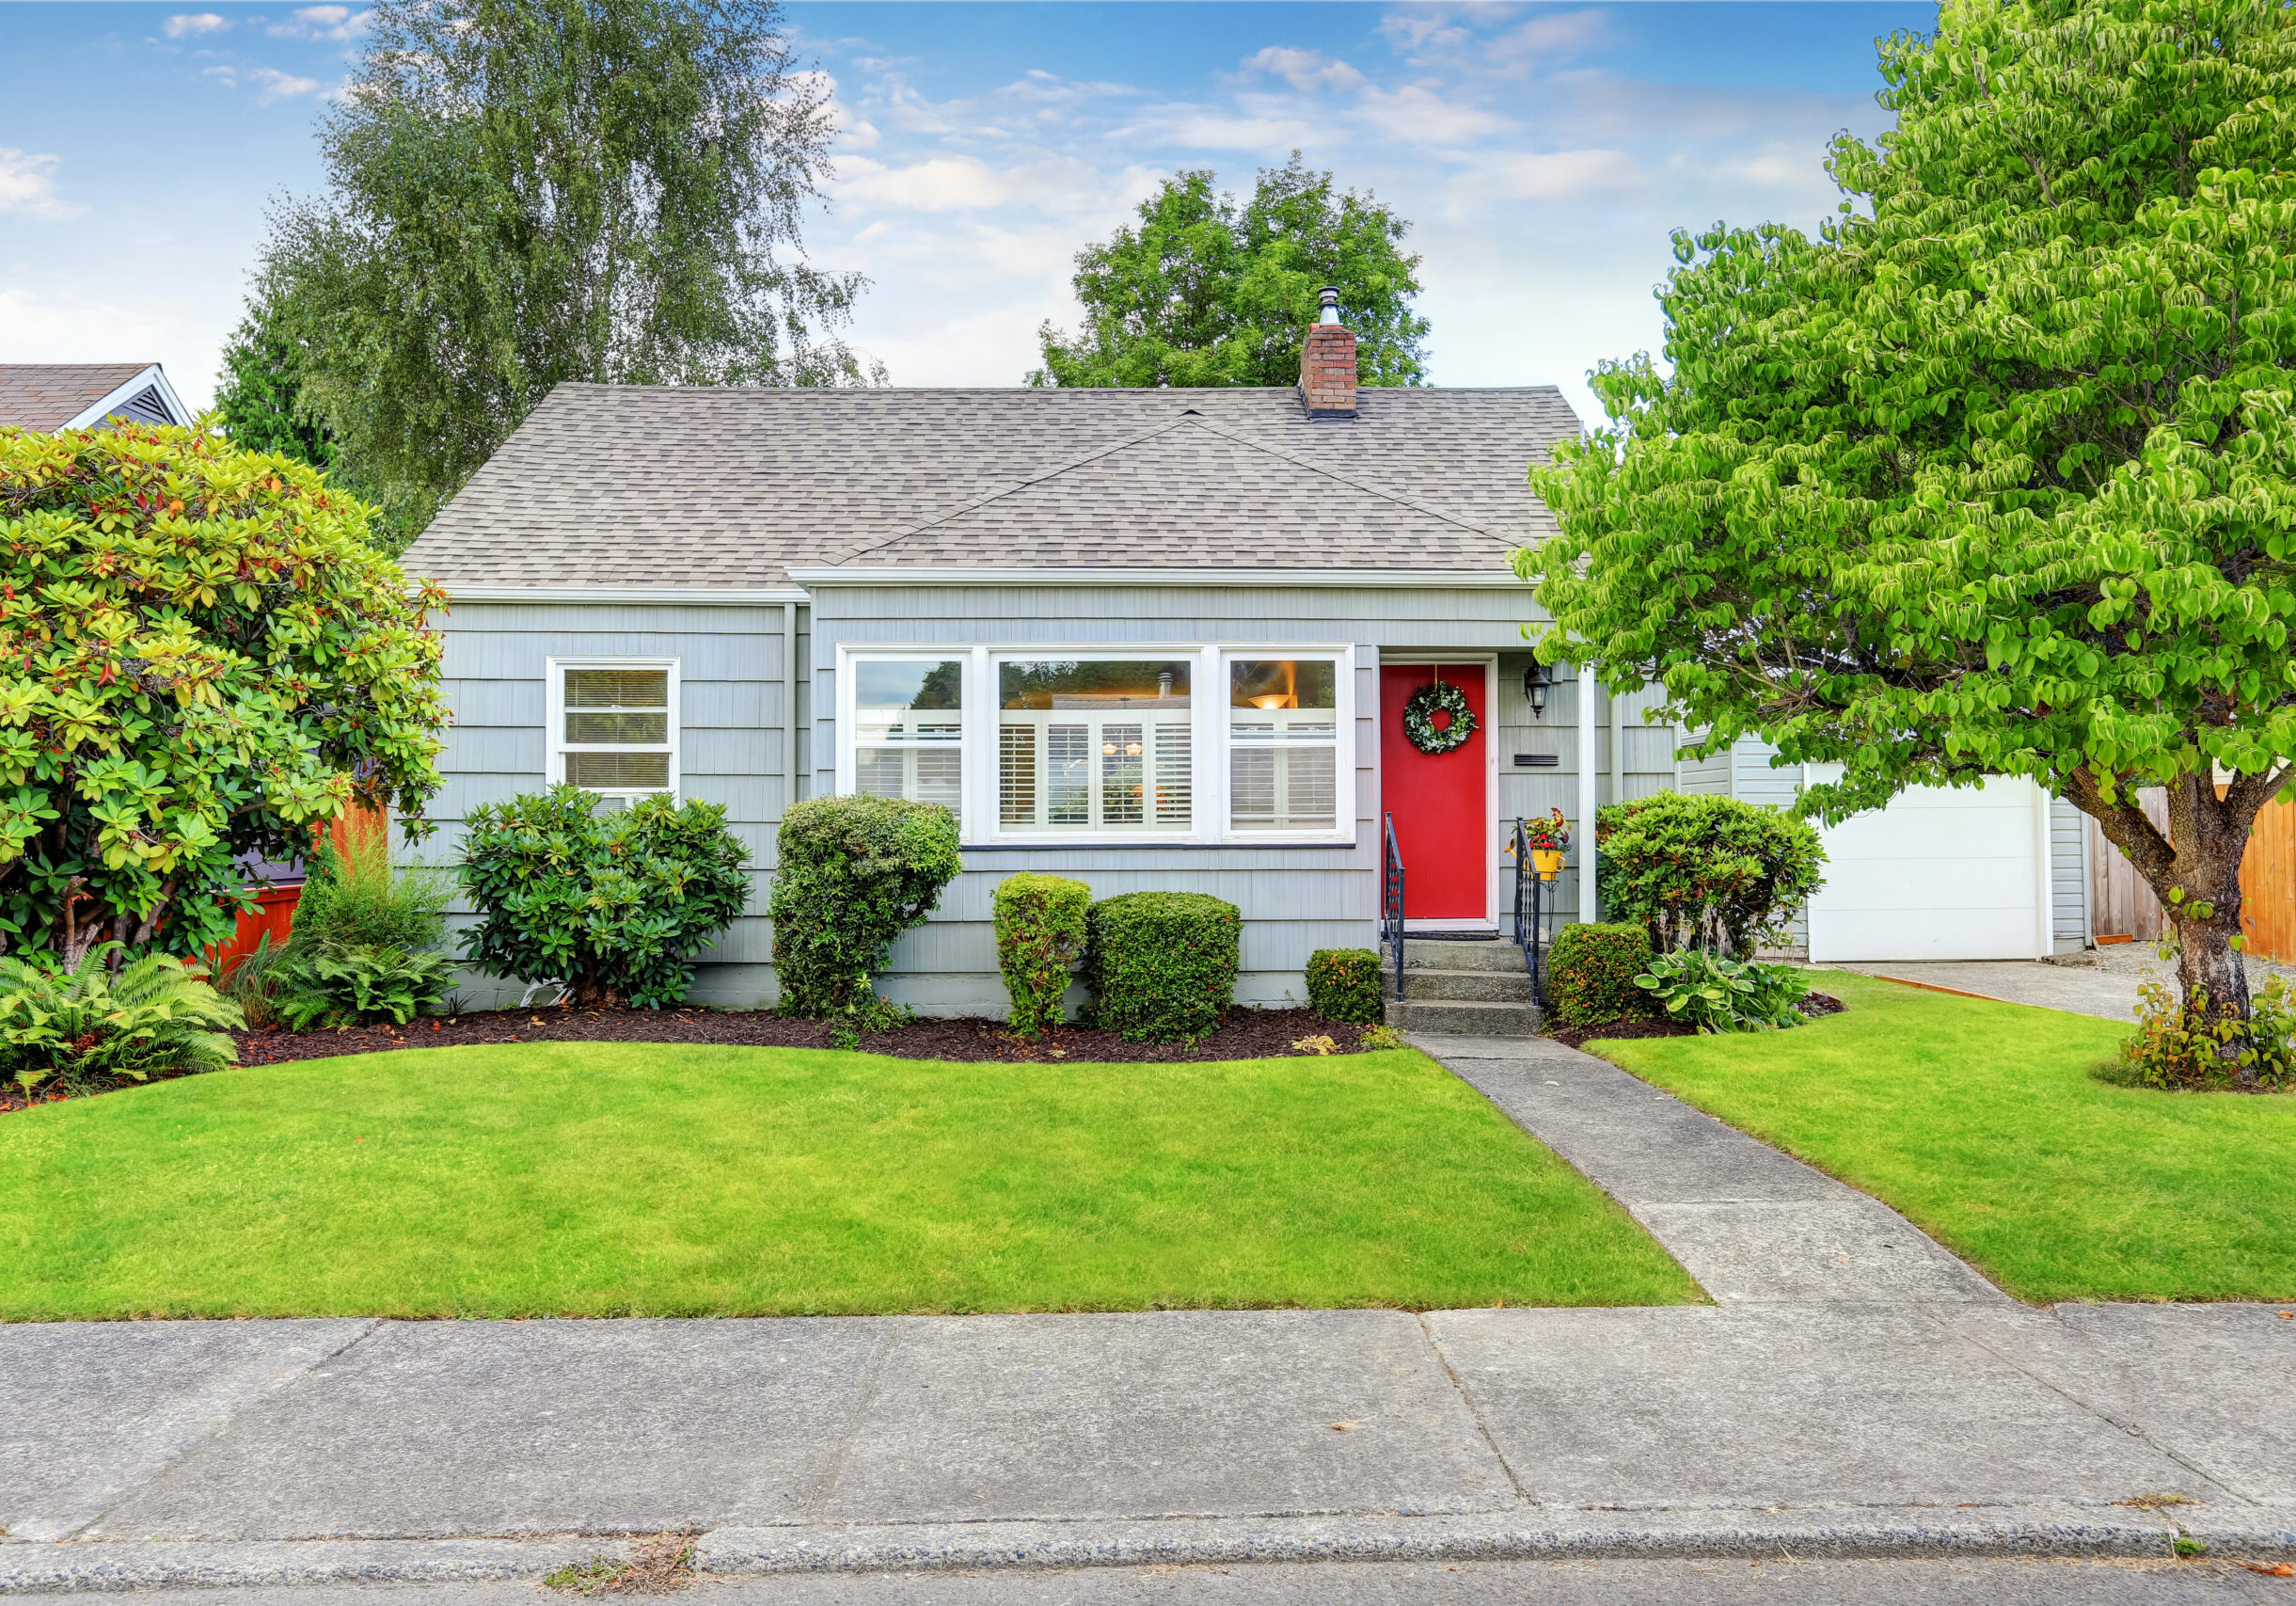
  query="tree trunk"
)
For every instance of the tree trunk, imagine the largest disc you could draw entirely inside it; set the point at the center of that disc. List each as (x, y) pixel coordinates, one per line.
(2194, 870)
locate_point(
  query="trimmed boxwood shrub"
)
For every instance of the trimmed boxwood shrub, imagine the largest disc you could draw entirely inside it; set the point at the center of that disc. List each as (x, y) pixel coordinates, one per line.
(1592, 970)
(855, 873)
(613, 904)
(1161, 965)
(1041, 923)
(1343, 985)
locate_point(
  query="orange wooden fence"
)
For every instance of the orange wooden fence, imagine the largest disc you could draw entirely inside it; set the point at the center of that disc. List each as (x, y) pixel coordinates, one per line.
(2121, 905)
(2268, 885)
(274, 906)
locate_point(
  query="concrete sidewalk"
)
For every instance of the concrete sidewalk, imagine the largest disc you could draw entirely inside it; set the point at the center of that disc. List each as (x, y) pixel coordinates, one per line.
(308, 1451)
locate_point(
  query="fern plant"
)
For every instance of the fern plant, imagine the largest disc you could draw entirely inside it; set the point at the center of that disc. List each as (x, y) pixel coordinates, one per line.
(341, 985)
(156, 1015)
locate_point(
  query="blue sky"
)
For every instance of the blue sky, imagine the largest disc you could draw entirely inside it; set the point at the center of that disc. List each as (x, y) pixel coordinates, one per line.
(1542, 153)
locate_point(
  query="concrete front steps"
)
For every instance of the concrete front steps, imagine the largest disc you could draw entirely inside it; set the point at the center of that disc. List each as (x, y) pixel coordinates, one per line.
(1475, 988)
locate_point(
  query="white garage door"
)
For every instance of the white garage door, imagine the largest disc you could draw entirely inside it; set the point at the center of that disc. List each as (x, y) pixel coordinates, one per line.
(1942, 873)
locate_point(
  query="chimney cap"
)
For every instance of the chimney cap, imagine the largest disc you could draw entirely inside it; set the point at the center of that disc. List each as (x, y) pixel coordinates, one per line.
(1329, 298)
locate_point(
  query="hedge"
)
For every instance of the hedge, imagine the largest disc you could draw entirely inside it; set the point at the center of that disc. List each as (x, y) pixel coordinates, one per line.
(1343, 985)
(1041, 923)
(1161, 965)
(1592, 970)
(1707, 871)
(855, 873)
(613, 905)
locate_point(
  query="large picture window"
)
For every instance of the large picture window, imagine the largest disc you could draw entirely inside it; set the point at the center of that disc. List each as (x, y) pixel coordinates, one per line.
(1095, 745)
(1075, 743)
(613, 726)
(1283, 744)
(909, 730)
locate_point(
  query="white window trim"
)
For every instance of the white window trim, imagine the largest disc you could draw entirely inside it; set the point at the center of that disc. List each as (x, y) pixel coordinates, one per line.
(554, 671)
(1209, 733)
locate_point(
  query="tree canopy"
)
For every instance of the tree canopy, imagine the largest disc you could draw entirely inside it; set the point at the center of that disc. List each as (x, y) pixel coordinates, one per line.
(524, 192)
(1993, 477)
(202, 656)
(1211, 291)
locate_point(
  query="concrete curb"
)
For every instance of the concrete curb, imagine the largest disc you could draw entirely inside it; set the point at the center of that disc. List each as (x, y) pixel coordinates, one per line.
(1900, 1532)
(116, 1566)
(1527, 1535)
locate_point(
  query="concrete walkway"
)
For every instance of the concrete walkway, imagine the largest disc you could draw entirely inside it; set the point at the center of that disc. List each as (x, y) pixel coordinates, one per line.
(1754, 1226)
(1855, 1392)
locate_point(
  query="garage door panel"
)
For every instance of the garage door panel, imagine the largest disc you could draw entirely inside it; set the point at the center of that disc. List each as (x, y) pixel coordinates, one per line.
(1961, 882)
(1856, 936)
(1942, 873)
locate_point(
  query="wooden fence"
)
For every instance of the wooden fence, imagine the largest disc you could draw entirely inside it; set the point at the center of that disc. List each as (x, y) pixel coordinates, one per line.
(2122, 906)
(274, 913)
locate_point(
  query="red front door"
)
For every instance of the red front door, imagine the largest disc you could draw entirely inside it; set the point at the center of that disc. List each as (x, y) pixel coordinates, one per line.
(1441, 801)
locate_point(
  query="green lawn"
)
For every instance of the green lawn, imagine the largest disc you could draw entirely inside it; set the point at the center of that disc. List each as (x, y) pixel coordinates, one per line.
(1981, 1123)
(614, 1179)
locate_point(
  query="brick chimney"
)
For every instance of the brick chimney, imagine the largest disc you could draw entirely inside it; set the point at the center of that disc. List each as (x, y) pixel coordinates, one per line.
(1327, 362)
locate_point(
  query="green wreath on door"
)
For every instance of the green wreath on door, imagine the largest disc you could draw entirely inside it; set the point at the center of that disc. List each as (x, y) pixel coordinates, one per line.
(1419, 713)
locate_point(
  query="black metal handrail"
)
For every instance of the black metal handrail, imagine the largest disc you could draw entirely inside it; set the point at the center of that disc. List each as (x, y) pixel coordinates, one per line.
(1529, 914)
(1391, 899)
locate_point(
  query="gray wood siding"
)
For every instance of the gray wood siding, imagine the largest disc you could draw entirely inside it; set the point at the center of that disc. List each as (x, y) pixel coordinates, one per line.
(732, 733)
(1295, 899)
(2068, 878)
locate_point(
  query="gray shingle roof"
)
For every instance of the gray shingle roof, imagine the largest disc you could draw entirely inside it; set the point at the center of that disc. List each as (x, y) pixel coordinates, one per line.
(627, 485)
(48, 395)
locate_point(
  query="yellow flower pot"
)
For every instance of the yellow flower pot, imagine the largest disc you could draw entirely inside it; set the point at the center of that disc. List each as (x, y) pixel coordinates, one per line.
(1547, 862)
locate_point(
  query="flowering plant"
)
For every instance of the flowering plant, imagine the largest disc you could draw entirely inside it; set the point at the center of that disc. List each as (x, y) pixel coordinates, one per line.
(1547, 833)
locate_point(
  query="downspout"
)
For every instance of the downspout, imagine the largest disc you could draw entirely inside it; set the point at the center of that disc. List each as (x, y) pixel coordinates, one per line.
(790, 705)
(1590, 794)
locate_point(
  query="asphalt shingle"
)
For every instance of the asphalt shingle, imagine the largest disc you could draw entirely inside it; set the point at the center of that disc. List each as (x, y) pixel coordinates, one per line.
(48, 395)
(631, 485)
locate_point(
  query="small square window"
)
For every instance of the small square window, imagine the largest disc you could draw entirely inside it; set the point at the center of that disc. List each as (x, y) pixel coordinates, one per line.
(614, 732)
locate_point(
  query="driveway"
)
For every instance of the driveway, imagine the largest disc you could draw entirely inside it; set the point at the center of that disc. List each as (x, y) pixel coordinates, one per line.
(2110, 994)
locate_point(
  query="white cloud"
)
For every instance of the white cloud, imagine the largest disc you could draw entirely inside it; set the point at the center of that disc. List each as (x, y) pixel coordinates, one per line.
(64, 329)
(956, 184)
(27, 185)
(272, 85)
(1206, 128)
(321, 21)
(193, 23)
(1563, 175)
(1305, 70)
(1420, 114)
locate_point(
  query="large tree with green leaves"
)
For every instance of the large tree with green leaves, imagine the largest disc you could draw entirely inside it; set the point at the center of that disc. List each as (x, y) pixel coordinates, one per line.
(524, 192)
(1994, 477)
(259, 396)
(1211, 291)
(202, 656)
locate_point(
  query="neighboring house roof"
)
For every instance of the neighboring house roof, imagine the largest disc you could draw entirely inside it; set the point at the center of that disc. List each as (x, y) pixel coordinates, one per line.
(670, 486)
(50, 396)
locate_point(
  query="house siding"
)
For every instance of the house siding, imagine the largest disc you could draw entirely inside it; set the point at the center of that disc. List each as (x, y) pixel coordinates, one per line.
(734, 720)
(1295, 900)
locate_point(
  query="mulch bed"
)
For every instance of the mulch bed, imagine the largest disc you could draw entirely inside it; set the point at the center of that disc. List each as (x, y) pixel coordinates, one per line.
(1814, 1005)
(1245, 1034)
